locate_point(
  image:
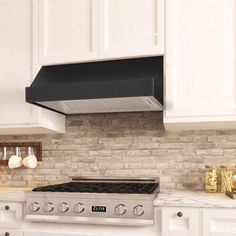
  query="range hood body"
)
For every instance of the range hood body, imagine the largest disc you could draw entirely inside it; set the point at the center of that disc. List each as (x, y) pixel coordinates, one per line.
(100, 87)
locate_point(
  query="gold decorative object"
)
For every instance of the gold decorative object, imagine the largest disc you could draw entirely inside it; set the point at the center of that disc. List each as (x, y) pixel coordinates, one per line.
(232, 190)
(211, 179)
(233, 180)
(226, 178)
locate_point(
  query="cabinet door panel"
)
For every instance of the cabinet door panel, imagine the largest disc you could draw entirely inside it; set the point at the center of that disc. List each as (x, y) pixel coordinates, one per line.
(67, 30)
(186, 225)
(200, 59)
(10, 215)
(15, 61)
(219, 222)
(131, 28)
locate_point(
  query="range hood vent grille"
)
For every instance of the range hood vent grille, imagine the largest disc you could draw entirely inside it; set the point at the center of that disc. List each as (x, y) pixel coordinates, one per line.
(126, 104)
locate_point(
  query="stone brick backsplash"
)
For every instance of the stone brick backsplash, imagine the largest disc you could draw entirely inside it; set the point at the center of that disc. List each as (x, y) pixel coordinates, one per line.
(124, 144)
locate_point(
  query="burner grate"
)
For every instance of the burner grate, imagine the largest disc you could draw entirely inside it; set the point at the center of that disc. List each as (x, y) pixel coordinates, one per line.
(99, 187)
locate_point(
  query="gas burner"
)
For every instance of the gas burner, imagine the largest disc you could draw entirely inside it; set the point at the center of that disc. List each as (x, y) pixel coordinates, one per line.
(122, 201)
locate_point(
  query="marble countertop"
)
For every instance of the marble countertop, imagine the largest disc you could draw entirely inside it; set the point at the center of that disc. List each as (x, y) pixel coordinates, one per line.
(13, 193)
(194, 199)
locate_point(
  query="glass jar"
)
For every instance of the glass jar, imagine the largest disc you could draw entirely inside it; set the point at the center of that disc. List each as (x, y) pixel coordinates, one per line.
(226, 173)
(233, 180)
(211, 179)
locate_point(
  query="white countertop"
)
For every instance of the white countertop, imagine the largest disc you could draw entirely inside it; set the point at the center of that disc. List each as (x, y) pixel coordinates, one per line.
(13, 194)
(164, 199)
(194, 199)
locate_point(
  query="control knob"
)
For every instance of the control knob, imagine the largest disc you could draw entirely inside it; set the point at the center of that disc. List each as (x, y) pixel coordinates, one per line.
(48, 207)
(79, 208)
(63, 207)
(34, 207)
(120, 209)
(139, 210)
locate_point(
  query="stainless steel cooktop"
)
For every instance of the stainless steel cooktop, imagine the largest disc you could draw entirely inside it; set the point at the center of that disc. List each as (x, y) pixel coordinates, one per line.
(122, 201)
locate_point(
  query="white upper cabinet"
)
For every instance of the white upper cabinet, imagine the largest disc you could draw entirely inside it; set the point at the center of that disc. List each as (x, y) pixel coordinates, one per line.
(200, 64)
(15, 61)
(131, 28)
(67, 30)
(89, 30)
(17, 116)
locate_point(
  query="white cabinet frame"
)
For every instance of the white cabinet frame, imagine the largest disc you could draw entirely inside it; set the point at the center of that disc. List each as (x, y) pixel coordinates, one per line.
(40, 38)
(98, 37)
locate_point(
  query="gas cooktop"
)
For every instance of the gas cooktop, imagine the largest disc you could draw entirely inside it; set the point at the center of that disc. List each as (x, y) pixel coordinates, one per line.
(120, 201)
(99, 187)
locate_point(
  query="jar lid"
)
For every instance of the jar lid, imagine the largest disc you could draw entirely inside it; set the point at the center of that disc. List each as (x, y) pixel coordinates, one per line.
(223, 166)
(207, 166)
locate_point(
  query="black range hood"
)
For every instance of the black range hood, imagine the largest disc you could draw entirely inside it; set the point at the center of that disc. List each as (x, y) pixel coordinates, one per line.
(99, 87)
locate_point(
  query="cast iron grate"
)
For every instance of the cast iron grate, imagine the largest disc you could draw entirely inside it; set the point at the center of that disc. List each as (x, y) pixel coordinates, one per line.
(99, 187)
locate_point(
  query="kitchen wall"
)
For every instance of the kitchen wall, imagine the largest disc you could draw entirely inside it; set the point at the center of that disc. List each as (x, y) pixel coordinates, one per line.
(125, 144)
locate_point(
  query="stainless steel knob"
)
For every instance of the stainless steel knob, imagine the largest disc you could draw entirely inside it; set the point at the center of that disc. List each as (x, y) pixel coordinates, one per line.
(120, 209)
(79, 208)
(139, 210)
(34, 207)
(63, 207)
(48, 207)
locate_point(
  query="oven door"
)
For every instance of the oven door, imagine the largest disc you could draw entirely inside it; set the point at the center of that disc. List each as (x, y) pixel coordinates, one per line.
(59, 229)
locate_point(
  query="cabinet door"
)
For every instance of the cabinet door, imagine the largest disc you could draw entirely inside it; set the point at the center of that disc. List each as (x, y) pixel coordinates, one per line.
(131, 28)
(10, 215)
(15, 62)
(186, 225)
(17, 116)
(200, 61)
(66, 30)
(219, 222)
